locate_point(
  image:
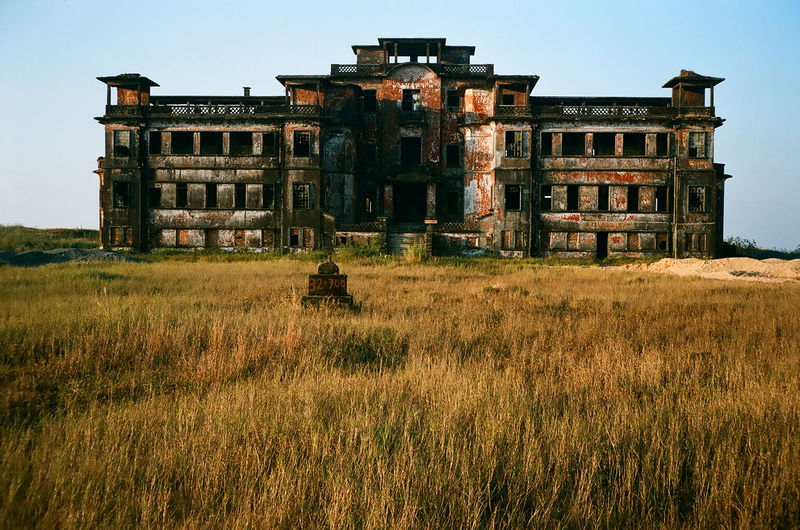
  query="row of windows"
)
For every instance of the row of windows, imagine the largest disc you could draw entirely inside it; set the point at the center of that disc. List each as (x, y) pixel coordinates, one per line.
(411, 100)
(604, 241)
(210, 195)
(598, 198)
(211, 143)
(299, 237)
(632, 144)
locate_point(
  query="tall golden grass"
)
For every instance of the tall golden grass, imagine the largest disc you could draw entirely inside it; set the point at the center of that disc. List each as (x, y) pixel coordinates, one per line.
(492, 395)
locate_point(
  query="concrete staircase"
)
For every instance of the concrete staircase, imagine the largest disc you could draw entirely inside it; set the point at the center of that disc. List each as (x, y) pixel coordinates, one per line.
(397, 243)
(403, 235)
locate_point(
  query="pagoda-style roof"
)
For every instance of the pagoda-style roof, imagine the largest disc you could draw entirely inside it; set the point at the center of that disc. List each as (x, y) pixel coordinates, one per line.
(127, 80)
(690, 78)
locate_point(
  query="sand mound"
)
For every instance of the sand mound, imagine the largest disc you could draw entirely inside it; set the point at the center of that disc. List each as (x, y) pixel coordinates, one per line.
(34, 258)
(768, 270)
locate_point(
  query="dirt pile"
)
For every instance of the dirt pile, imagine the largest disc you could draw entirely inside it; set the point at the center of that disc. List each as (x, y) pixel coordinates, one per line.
(749, 269)
(34, 258)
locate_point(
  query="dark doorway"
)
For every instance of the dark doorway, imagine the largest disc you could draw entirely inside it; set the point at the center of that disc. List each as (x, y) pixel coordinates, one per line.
(410, 203)
(602, 245)
(410, 151)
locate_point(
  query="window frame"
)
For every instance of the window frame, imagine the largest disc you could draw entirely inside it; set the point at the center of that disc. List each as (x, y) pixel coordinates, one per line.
(274, 146)
(411, 102)
(508, 194)
(172, 143)
(450, 94)
(701, 151)
(704, 198)
(296, 135)
(449, 163)
(122, 194)
(298, 201)
(564, 144)
(240, 134)
(209, 147)
(372, 107)
(516, 148)
(546, 197)
(121, 149)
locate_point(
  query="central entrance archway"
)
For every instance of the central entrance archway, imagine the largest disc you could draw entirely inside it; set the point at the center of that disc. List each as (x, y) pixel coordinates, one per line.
(410, 202)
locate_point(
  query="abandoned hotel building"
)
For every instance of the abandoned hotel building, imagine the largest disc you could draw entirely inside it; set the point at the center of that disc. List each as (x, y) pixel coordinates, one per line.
(413, 142)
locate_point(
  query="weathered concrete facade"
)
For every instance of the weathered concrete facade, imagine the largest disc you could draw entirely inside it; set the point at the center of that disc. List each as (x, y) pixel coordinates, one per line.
(413, 139)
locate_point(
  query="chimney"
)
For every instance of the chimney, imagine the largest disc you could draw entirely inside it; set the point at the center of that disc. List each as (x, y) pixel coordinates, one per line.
(246, 91)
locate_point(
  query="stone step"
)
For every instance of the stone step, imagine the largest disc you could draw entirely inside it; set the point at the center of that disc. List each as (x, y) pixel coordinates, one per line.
(398, 243)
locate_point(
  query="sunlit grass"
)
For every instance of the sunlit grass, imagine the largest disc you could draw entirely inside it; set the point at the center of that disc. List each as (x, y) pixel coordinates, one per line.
(461, 394)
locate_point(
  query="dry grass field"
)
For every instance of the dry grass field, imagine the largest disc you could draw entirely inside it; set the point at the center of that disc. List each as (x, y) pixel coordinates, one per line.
(475, 395)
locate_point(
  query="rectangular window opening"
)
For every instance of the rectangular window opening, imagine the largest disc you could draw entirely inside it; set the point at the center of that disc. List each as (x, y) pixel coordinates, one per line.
(295, 235)
(633, 198)
(269, 146)
(240, 196)
(513, 197)
(662, 144)
(211, 195)
(602, 198)
(182, 143)
(123, 194)
(604, 144)
(212, 238)
(508, 99)
(122, 144)
(453, 102)
(453, 155)
(697, 145)
(698, 198)
(633, 144)
(302, 143)
(411, 99)
(410, 150)
(241, 143)
(662, 241)
(301, 196)
(516, 144)
(154, 197)
(181, 195)
(572, 197)
(547, 144)
(662, 199)
(572, 144)
(370, 100)
(154, 143)
(116, 235)
(547, 197)
(268, 197)
(211, 143)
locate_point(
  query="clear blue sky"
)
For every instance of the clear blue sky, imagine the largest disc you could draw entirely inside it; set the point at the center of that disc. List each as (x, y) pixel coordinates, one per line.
(51, 52)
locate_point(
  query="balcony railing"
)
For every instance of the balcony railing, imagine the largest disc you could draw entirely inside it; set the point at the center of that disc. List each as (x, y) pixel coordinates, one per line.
(375, 69)
(513, 110)
(467, 69)
(213, 110)
(357, 69)
(621, 111)
(466, 226)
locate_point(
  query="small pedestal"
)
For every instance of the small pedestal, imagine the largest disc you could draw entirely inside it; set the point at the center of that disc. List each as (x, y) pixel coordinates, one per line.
(327, 286)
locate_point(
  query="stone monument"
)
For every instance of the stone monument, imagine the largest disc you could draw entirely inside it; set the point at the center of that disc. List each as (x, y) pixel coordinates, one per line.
(327, 286)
